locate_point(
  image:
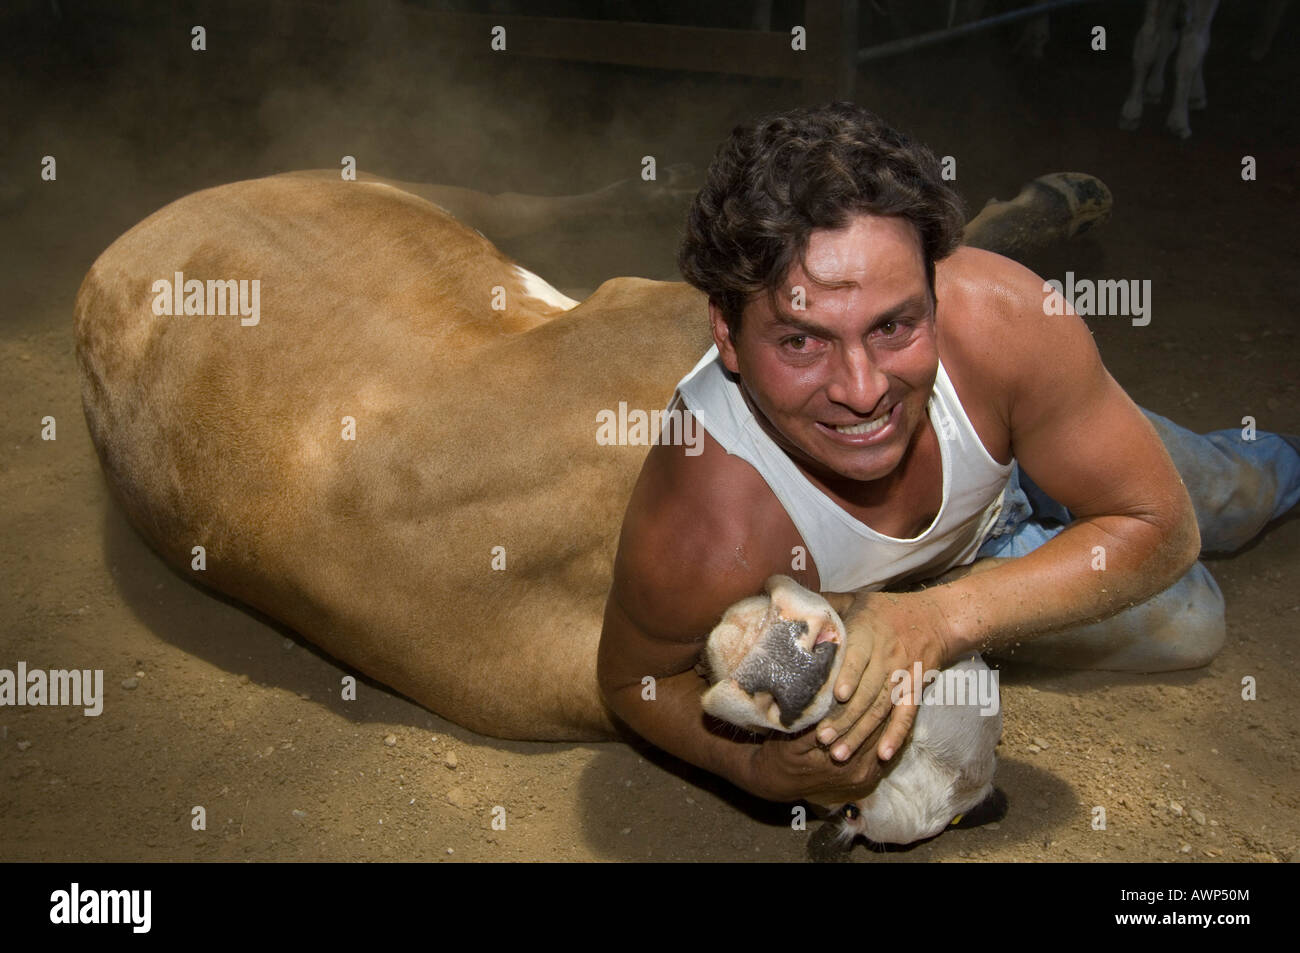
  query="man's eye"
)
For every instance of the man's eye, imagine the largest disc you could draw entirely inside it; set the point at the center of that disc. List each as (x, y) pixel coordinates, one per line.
(889, 327)
(797, 342)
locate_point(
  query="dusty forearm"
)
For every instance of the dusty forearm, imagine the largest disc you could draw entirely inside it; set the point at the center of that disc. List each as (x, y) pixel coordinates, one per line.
(674, 721)
(1090, 571)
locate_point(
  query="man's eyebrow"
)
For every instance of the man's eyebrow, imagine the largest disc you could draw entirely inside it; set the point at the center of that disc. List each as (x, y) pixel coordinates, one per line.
(799, 324)
(915, 302)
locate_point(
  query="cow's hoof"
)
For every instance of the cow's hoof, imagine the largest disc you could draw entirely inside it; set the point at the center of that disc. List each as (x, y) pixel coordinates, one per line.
(1087, 200)
(1050, 209)
(1129, 124)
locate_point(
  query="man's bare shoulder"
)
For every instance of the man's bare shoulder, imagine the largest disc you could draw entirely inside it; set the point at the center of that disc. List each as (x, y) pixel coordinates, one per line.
(984, 301)
(996, 336)
(701, 532)
(987, 302)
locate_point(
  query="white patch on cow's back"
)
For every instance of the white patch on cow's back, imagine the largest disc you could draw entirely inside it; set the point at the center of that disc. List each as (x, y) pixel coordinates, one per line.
(536, 287)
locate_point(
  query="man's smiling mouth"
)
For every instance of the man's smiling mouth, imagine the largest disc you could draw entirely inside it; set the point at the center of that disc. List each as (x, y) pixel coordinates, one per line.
(866, 427)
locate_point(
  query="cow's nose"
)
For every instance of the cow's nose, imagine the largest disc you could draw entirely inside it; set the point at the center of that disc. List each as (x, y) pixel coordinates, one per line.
(784, 668)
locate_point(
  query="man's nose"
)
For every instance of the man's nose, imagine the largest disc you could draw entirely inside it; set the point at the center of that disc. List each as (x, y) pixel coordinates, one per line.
(857, 382)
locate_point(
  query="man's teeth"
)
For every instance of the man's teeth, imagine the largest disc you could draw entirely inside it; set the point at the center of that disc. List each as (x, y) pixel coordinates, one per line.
(869, 426)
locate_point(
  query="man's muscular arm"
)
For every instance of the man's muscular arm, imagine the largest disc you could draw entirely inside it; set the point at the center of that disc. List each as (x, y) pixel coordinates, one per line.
(1088, 446)
(683, 559)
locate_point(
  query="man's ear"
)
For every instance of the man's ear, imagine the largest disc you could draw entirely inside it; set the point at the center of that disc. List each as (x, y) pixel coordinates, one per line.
(722, 338)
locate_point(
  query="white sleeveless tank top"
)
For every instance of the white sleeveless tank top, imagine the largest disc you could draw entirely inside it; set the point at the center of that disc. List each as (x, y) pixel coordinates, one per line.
(849, 554)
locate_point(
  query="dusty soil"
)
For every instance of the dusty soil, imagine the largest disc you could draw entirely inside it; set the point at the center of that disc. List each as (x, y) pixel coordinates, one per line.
(208, 705)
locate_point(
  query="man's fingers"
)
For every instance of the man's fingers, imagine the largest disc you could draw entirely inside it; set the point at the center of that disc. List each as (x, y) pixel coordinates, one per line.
(851, 669)
(861, 702)
(849, 737)
(845, 746)
(896, 732)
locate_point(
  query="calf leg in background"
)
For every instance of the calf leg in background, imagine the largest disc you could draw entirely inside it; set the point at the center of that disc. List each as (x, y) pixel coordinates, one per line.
(1192, 44)
(1198, 99)
(1167, 32)
(1146, 49)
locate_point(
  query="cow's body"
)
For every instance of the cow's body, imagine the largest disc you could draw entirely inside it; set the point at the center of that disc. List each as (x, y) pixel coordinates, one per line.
(475, 429)
(376, 305)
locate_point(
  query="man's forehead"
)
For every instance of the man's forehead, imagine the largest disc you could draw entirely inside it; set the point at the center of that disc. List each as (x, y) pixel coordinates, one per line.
(859, 251)
(895, 296)
(873, 254)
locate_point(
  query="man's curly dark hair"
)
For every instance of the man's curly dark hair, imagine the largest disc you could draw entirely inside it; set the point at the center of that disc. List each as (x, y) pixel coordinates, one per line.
(779, 177)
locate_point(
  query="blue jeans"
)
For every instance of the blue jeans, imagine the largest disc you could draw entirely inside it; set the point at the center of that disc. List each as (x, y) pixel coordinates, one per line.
(1237, 486)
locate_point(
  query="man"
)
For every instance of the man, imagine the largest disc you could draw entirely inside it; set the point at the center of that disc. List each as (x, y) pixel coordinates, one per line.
(874, 402)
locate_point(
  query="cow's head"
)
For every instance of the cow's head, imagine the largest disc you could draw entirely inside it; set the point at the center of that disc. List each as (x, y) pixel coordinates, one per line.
(773, 658)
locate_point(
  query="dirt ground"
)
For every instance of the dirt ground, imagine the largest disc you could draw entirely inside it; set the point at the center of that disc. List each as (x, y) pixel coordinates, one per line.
(208, 705)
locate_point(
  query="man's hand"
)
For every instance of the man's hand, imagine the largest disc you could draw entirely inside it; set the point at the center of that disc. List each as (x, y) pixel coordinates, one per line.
(785, 768)
(886, 633)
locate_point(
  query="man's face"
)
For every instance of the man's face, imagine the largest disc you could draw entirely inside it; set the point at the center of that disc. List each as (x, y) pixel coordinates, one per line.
(842, 385)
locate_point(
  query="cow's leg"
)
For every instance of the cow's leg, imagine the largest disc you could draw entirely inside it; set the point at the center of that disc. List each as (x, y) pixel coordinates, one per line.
(1167, 29)
(1198, 99)
(1145, 47)
(507, 215)
(1191, 53)
(1049, 209)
